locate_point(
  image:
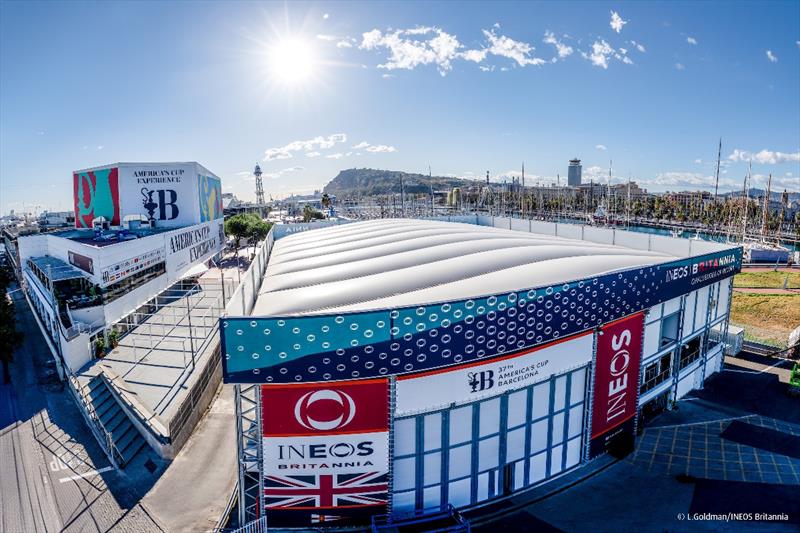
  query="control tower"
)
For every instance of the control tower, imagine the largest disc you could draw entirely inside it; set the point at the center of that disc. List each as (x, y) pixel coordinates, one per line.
(574, 174)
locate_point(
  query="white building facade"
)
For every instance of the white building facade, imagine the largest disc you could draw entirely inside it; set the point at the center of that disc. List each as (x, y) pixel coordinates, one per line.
(140, 228)
(454, 364)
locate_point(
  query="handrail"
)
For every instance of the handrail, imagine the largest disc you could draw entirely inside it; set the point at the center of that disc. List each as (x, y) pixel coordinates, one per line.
(95, 424)
(152, 422)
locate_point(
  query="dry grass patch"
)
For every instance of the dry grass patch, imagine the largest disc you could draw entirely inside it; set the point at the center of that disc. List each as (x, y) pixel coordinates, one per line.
(766, 317)
(767, 279)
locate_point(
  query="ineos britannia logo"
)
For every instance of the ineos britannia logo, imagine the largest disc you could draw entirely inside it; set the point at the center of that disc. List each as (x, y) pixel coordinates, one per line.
(339, 410)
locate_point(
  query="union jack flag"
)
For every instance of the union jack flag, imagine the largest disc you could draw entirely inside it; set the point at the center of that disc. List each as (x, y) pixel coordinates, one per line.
(326, 491)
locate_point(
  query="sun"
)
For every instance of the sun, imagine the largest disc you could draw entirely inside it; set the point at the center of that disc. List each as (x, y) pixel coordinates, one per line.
(292, 60)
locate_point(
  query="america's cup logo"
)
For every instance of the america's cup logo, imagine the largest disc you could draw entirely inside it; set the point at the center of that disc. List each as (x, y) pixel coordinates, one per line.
(324, 410)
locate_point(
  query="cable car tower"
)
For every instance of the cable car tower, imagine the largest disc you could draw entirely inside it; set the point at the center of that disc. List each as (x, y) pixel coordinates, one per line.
(259, 186)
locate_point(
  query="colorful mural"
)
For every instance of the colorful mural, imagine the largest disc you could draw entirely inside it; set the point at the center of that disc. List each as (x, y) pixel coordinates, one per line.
(96, 194)
(210, 198)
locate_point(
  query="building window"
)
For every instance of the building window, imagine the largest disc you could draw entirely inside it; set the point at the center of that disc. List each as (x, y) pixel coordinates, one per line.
(120, 288)
(489, 448)
(669, 329)
(690, 352)
(656, 373)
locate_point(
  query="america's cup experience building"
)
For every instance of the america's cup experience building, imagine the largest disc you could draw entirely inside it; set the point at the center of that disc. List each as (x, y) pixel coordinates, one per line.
(408, 365)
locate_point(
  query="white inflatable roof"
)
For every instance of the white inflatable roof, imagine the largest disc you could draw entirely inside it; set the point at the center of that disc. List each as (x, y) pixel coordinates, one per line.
(391, 263)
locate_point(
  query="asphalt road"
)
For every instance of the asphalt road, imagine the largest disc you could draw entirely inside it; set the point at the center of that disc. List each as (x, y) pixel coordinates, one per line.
(53, 474)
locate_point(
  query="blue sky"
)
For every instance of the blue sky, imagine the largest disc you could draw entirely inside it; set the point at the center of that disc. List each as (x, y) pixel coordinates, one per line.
(464, 88)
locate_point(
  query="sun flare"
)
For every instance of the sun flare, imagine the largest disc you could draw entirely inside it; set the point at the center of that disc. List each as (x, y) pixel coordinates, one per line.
(292, 61)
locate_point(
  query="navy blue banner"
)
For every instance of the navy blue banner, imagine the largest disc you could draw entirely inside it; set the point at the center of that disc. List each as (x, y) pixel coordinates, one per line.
(412, 339)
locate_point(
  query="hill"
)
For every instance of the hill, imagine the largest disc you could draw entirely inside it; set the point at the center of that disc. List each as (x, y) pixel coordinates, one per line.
(775, 195)
(371, 181)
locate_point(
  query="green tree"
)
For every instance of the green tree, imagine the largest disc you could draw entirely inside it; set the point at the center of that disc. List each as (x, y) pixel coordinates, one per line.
(10, 337)
(247, 226)
(309, 214)
(258, 229)
(237, 226)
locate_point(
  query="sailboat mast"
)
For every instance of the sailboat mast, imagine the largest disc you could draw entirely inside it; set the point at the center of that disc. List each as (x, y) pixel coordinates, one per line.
(716, 182)
(765, 209)
(430, 182)
(746, 201)
(523, 189)
(628, 206)
(608, 191)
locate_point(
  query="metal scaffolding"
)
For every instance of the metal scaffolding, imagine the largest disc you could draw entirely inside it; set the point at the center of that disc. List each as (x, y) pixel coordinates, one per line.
(248, 437)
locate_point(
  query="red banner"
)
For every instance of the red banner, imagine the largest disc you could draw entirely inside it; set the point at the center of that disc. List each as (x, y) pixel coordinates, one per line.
(325, 452)
(616, 382)
(336, 408)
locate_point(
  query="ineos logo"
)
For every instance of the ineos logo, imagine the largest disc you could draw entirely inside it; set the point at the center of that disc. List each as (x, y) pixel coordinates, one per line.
(341, 414)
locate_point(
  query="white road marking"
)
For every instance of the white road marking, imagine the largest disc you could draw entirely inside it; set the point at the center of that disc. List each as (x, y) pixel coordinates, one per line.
(87, 474)
(766, 368)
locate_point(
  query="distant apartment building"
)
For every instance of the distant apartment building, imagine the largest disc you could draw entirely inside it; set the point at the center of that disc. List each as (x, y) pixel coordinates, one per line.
(574, 173)
(618, 190)
(687, 198)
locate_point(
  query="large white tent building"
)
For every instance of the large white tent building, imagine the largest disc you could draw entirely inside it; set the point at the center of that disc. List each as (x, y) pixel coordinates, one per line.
(409, 365)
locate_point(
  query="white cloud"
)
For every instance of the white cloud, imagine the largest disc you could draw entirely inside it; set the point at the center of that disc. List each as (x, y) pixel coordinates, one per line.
(484, 68)
(324, 37)
(562, 49)
(313, 154)
(100, 147)
(474, 55)
(337, 155)
(764, 157)
(601, 147)
(387, 76)
(797, 43)
(344, 44)
(519, 51)
(381, 148)
(698, 161)
(679, 66)
(601, 51)
(317, 143)
(772, 57)
(682, 179)
(326, 16)
(698, 181)
(595, 173)
(275, 174)
(374, 148)
(407, 51)
(616, 22)
(638, 46)
(691, 40)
